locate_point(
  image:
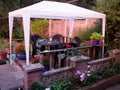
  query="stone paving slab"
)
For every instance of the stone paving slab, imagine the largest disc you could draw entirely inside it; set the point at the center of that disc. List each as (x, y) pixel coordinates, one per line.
(18, 75)
(10, 77)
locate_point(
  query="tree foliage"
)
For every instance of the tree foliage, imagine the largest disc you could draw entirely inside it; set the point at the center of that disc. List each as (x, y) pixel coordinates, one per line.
(86, 3)
(85, 33)
(40, 26)
(112, 10)
(5, 7)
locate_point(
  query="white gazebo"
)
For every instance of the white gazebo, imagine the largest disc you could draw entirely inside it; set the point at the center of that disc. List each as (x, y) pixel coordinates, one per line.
(51, 10)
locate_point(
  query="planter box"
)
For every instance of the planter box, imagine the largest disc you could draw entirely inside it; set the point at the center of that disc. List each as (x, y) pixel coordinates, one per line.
(106, 83)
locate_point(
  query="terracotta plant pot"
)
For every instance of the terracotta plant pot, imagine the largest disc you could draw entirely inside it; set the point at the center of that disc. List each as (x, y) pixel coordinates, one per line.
(91, 42)
(3, 55)
(100, 42)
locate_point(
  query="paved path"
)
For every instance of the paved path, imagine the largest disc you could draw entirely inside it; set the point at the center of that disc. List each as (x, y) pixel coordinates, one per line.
(115, 87)
(10, 77)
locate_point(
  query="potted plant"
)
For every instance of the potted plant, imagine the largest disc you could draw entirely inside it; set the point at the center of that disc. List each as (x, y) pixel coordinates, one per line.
(46, 63)
(3, 54)
(35, 59)
(101, 40)
(20, 51)
(7, 47)
(95, 38)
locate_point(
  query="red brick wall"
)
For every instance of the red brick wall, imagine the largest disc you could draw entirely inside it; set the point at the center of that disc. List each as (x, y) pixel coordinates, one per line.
(58, 26)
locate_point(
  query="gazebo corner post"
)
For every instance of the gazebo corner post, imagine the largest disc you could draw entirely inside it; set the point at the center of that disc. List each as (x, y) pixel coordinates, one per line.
(26, 26)
(103, 32)
(10, 36)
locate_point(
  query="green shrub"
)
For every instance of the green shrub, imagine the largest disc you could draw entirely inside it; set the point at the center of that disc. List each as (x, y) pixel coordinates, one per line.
(37, 86)
(18, 33)
(97, 76)
(85, 34)
(65, 85)
(46, 63)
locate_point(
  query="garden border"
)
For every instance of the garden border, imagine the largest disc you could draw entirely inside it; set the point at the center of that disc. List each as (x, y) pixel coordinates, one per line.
(105, 83)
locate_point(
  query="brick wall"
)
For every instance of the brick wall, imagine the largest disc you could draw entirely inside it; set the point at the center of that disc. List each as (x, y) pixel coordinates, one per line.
(33, 73)
(59, 26)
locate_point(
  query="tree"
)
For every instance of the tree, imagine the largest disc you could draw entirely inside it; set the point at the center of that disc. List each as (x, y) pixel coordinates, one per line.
(86, 3)
(5, 7)
(112, 10)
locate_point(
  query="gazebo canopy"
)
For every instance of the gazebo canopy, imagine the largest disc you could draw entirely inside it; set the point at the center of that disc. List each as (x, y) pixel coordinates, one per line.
(51, 10)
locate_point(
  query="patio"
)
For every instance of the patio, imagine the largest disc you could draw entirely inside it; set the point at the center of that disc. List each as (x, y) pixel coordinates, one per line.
(11, 77)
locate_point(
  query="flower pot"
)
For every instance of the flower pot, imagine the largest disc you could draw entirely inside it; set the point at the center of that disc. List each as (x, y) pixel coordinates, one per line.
(91, 42)
(45, 69)
(2, 62)
(96, 42)
(100, 42)
(3, 55)
(21, 56)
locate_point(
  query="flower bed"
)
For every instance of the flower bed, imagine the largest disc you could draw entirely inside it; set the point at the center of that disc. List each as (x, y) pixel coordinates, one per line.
(68, 85)
(89, 77)
(105, 83)
(100, 80)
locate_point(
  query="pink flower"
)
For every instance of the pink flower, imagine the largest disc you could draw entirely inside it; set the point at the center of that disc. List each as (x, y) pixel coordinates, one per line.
(88, 74)
(82, 77)
(88, 66)
(77, 72)
(88, 71)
